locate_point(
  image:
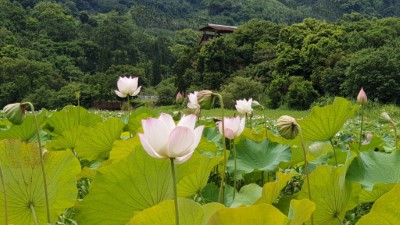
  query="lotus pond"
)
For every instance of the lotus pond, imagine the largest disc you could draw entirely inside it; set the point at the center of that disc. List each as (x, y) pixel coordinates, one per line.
(98, 171)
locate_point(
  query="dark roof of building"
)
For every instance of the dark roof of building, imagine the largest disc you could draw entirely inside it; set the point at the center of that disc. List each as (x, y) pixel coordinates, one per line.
(218, 28)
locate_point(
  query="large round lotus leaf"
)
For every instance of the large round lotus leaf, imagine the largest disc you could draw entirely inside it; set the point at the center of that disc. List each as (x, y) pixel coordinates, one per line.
(128, 186)
(332, 194)
(373, 167)
(26, 130)
(300, 211)
(385, 211)
(68, 139)
(195, 182)
(255, 215)
(70, 117)
(96, 142)
(324, 122)
(272, 190)
(22, 173)
(264, 156)
(190, 213)
(122, 148)
(247, 195)
(376, 193)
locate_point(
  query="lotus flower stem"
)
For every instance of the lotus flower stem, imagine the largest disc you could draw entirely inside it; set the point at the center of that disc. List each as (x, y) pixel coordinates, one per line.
(222, 186)
(175, 191)
(234, 168)
(41, 160)
(361, 127)
(306, 169)
(3, 183)
(265, 121)
(334, 152)
(32, 207)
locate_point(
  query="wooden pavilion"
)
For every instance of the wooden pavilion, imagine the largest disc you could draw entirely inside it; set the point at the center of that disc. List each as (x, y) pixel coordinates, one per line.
(212, 31)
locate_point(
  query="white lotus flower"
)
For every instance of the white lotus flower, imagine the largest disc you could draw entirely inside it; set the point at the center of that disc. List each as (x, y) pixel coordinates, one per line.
(233, 126)
(244, 107)
(193, 103)
(163, 139)
(127, 86)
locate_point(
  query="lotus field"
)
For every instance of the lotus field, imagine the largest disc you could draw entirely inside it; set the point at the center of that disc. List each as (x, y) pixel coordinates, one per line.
(76, 166)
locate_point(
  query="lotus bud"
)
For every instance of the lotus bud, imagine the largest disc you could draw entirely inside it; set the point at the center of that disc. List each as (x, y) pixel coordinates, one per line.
(206, 99)
(15, 113)
(362, 97)
(317, 148)
(288, 127)
(385, 117)
(77, 95)
(179, 98)
(255, 103)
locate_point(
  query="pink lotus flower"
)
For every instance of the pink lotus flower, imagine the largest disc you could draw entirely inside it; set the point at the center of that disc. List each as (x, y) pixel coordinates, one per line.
(193, 103)
(362, 97)
(127, 86)
(233, 126)
(163, 139)
(244, 107)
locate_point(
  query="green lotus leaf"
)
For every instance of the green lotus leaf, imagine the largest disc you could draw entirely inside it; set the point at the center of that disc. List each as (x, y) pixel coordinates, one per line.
(332, 194)
(122, 148)
(264, 156)
(255, 215)
(136, 117)
(272, 190)
(324, 122)
(70, 117)
(211, 191)
(300, 211)
(385, 211)
(26, 130)
(247, 195)
(195, 182)
(128, 186)
(373, 167)
(376, 193)
(68, 139)
(22, 173)
(190, 213)
(96, 142)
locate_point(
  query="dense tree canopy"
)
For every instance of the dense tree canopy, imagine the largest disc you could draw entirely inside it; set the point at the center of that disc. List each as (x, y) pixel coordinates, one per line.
(48, 49)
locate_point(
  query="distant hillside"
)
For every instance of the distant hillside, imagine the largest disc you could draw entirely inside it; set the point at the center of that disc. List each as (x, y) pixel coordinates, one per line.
(180, 14)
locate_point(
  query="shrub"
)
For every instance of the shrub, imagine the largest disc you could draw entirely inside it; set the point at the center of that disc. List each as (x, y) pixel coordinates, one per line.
(301, 94)
(276, 92)
(166, 92)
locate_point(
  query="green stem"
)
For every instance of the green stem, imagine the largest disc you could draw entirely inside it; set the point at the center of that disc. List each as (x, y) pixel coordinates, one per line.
(265, 120)
(3, 183)
(222, 186)
(262, 178)
(306, 168)
(234, 168)
(395, 135)
(175, 191)
(361, 130)
(41, 160)
(35, 220)
(334, 152)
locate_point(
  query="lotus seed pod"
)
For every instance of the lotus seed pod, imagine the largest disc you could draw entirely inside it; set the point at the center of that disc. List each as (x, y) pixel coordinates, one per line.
(205, 99)
(288, 127)
(15, 113)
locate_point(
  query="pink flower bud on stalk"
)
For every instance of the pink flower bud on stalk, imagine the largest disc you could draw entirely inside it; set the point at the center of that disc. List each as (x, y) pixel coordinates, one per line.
(362, 97)
(179, 98)
(233, 127)
(15, 113)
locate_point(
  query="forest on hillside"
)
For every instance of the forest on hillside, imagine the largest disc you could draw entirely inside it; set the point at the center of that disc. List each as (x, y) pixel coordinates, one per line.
(281, 50)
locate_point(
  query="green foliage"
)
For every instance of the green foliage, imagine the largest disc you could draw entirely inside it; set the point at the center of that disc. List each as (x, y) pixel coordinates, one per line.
(276, 92)
(301, 94)
(239, 88)
(166, 91)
